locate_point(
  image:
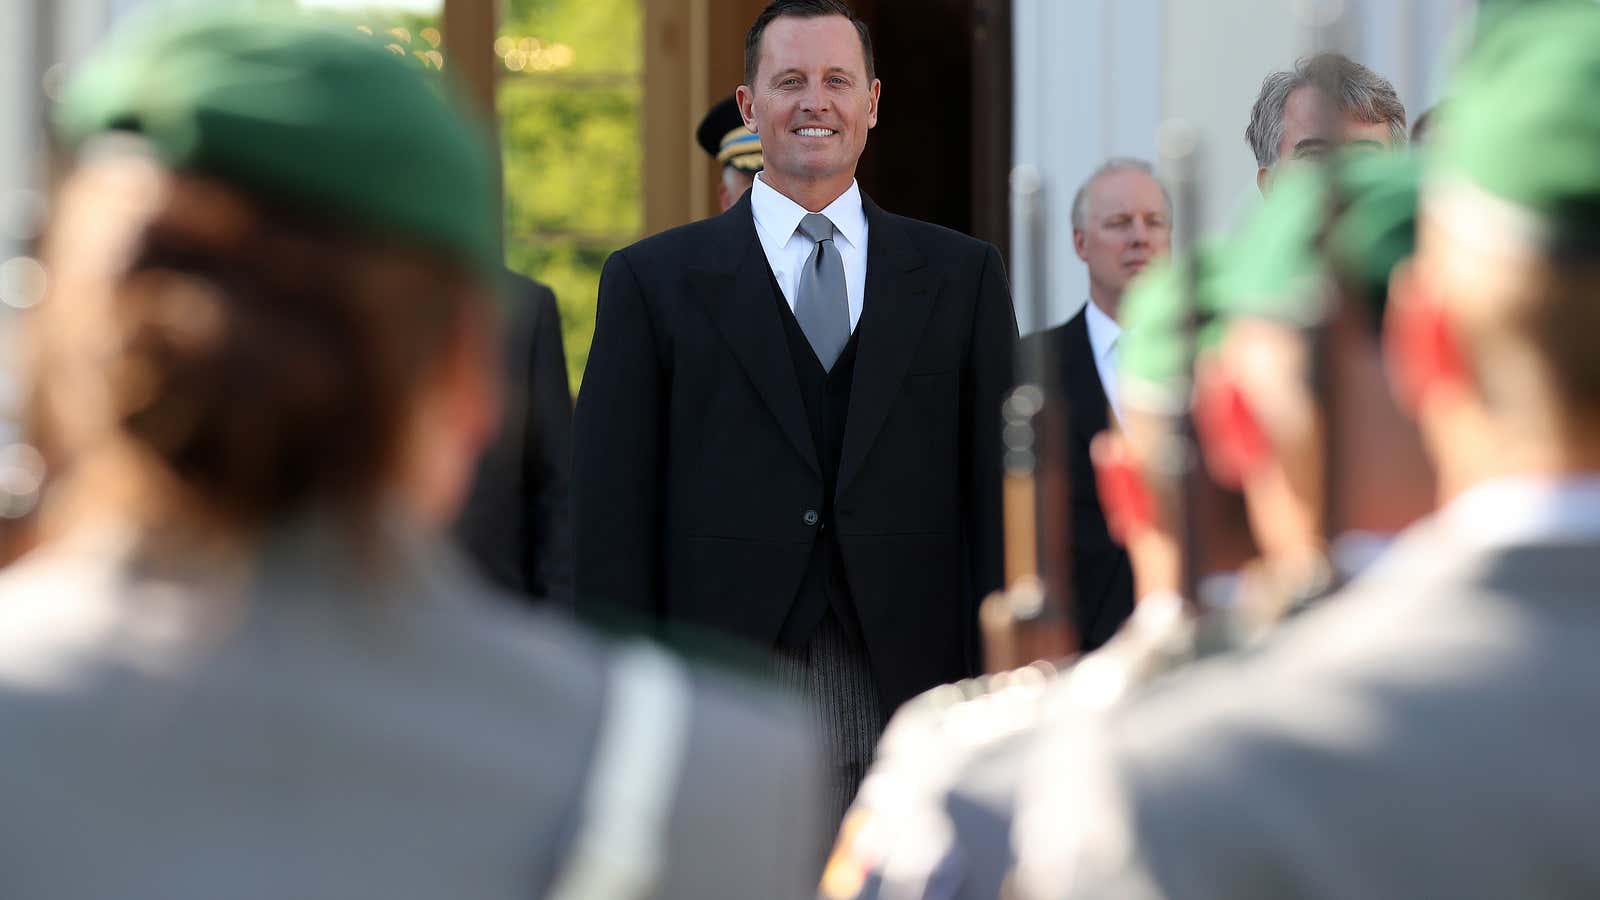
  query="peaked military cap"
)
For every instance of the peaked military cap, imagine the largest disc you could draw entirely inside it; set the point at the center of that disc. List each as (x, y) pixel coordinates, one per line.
(723, 136)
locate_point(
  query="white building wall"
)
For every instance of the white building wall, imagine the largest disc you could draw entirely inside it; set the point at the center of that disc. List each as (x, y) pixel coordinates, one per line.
(1088, 86)
(1096, 78)
(17, 112)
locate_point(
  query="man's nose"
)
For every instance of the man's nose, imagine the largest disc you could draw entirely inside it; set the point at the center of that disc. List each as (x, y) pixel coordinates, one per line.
(1140, 234)
(814, 99)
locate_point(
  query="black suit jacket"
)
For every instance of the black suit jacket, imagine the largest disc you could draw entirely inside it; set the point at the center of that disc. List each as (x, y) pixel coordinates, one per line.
(1102, 580)
(695, 476)
(515, 522)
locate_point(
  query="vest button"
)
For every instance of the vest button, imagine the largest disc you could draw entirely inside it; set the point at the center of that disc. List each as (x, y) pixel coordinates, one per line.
(810, 517)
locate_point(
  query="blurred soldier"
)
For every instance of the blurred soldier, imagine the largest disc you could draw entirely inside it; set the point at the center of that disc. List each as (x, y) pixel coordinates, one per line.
(724, 137)
(1293, 407)
(1425, 732)
(242, 664)
(1121, 220)
(951, 763)
(1293, 303)
(1323, 102)
(788, 430)
(515, 521)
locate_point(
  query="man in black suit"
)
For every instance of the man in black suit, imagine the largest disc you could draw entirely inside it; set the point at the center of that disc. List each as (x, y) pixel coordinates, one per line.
(789, 426)
(514, 522)
(1121, 220)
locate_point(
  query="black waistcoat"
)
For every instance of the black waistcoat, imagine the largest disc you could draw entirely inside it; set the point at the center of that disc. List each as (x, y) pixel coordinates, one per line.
(826, 395)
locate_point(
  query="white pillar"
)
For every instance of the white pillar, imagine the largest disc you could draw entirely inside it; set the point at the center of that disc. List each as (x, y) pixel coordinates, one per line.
(1087, 79)
(1096, 78)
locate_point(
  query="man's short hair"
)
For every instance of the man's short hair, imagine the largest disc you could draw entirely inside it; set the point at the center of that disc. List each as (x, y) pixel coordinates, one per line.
(1356, 89)
(1080, 200)
(802, 9)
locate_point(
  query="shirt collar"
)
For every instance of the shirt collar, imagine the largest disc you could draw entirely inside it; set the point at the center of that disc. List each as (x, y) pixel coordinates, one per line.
(1103, 332)
(779, 216)
(1521, 510)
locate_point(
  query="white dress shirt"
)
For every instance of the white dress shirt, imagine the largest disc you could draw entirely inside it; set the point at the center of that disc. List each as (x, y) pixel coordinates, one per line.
(1103, 335)
(777, 223)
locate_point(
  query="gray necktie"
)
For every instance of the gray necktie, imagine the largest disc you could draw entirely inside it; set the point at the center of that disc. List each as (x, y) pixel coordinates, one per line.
(821, 305)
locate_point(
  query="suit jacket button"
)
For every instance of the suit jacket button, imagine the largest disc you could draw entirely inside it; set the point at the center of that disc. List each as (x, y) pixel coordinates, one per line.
(811, 517)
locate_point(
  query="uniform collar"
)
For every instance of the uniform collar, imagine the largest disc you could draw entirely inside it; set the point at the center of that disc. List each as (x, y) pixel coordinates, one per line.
(779, 216)
(1527, 509)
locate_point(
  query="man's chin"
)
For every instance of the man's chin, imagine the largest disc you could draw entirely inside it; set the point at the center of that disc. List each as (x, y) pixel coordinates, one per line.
(815, 170)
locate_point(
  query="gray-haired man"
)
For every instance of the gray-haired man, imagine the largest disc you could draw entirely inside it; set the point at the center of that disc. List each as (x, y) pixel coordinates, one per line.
(1121, 221)
(1292, 119)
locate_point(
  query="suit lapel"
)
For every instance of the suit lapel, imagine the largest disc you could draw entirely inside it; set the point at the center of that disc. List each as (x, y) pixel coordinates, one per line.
(1086, 397)
(733, 284)
(899, 297)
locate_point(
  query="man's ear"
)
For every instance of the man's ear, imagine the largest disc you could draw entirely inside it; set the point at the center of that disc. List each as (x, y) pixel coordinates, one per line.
(1231, 437)
(1079, 242)
(875, 94)
(476, 376)
(1124, 497)
(1263, 180)
(746, 99)
(1420, 343)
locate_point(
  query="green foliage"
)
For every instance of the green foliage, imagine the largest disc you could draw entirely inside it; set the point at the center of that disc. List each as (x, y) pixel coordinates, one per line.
(571, 145)
(572, 153)
(608, 35)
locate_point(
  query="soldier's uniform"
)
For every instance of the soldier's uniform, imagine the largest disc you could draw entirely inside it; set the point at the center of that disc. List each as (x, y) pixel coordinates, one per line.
(1426, 732)
(934, 817)
(948, 810)
(292, 718)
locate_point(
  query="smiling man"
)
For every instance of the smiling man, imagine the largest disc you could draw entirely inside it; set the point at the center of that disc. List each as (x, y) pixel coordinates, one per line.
(1121, 220)
(789, 426)
(1325, 101)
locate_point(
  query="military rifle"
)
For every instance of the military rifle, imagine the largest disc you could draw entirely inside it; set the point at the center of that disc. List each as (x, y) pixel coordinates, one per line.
(1031, 619)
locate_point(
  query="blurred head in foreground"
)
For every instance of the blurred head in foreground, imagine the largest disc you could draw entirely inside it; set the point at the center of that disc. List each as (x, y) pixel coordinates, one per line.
(1493, 324)
(270, 286)
(1288, 313)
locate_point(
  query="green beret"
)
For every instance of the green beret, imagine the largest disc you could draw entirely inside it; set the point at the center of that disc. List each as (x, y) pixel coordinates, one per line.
(318, 117)
(1377, 229)
(1275, 267)
(1523, 124)
(1154, 354)
(1283, 253)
